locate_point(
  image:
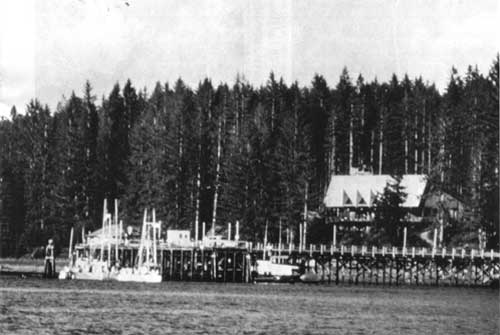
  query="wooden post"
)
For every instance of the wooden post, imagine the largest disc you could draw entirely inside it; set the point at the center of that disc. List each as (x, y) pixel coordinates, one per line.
(305, 215)
(397, 271)
(237, 236)
(234, 266)
(383, 270)
(404, 239)
(390, 267)
(437, 272)
(171, 274)
(108, 239)
(411, 268)
(181, 270)
(104, 212)
(203, 264)
(196, 231)
(121, 232)
(162, 260)
(434, 240)
(300, 237)
(229, 231)
(116, 230)
(330, 270)
(305, 236)
(214, 265)
(70, 249)
(225, 266)
(417, 272)
(193, 258)
(279, 241)
(337, 269)
(245, 272)
(265, 236)
(203, 232)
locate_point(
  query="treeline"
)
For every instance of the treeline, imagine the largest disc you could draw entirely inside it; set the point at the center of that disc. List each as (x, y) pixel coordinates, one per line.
(217, 153)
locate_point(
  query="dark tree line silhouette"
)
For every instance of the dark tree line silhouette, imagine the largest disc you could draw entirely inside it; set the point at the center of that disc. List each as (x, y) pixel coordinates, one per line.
(217, 153)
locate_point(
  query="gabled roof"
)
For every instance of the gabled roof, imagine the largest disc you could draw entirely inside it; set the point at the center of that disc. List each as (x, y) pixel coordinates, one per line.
(361, 190)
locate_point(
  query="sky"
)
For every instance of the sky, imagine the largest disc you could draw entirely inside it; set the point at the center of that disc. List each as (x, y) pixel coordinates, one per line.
(50, 48)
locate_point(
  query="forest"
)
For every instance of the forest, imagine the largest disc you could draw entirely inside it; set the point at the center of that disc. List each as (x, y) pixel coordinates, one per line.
(221, 153)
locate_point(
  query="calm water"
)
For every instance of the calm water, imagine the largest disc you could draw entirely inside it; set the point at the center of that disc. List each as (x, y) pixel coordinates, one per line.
(34, 306)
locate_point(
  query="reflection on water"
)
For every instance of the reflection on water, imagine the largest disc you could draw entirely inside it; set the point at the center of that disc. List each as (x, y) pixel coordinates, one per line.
(33, 306)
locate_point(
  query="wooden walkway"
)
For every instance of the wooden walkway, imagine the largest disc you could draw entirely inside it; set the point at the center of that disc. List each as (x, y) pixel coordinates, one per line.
(334, 265)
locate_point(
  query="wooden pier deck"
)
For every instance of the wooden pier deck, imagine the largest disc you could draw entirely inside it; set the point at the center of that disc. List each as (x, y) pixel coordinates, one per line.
(333, 265)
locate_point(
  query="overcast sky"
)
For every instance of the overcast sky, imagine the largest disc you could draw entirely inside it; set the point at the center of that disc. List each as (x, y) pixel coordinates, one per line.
(49, 48)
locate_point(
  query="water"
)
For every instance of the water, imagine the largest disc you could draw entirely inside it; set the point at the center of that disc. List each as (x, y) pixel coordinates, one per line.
(35, 306)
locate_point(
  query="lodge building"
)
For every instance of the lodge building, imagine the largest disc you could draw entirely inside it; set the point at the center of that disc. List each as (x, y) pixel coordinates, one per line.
(350, 199)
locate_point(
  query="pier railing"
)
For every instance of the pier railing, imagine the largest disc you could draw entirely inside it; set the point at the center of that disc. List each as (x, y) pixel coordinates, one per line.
(236, 261)
(376, 251)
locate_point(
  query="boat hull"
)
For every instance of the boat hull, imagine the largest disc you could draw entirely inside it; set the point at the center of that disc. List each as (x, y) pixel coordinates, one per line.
(138, 277)
(310, 278)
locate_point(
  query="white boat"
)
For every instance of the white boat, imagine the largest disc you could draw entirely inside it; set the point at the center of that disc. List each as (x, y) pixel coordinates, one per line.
(147, 269)
(310, 277)
(86, 270)
(272, 270)
(143, 275)
(85, 262)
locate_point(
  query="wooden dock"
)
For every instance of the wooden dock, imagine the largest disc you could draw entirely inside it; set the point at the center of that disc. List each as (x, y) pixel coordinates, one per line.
(397, 266)
(333, 265)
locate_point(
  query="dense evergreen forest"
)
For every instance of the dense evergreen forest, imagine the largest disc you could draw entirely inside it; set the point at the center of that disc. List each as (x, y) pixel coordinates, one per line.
(219, 153)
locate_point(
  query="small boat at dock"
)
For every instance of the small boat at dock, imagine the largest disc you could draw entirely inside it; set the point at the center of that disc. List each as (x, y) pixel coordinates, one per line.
(98, 258)
(147, 269)
(273, 271)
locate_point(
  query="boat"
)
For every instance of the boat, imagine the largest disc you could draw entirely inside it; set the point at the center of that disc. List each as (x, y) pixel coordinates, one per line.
(147, 269)
(84, 269)
(144, 274)
(311, 276)
(273, 271)
(94, 259)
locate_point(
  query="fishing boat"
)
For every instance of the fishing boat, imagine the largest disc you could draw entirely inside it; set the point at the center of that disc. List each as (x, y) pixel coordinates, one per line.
(272, 270)
(147, 269)
(94, 259)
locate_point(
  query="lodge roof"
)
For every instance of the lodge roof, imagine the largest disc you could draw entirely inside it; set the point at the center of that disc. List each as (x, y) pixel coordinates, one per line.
(361, 190)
